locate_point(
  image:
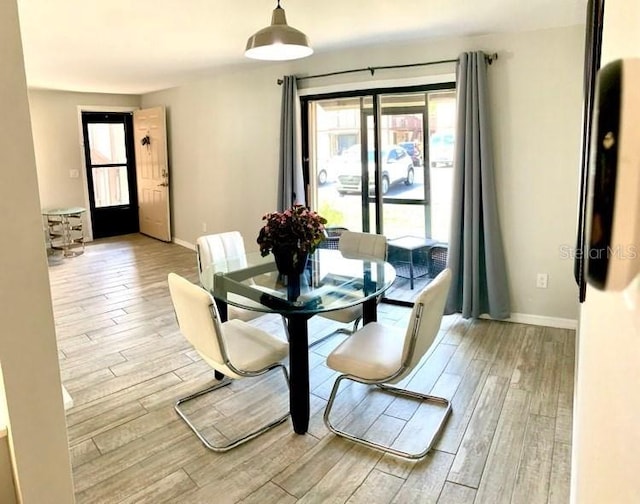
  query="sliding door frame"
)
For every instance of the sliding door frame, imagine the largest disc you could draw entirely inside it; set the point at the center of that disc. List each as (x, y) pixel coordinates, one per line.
(375, 94)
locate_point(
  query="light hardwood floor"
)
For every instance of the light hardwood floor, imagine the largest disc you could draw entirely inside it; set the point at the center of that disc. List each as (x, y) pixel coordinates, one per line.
(124, 363)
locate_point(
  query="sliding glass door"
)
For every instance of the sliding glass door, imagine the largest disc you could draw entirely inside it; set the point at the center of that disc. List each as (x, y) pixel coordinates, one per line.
(382, 162)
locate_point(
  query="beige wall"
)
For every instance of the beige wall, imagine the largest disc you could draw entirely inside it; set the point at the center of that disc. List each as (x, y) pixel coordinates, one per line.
(223, 142)
(28, 352)
(606, 428)
(57, 141)
(224, 146)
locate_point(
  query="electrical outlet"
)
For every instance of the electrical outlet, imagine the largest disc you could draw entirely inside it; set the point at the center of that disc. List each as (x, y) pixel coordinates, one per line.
(74, 174)
(204, 227)
(541, 280)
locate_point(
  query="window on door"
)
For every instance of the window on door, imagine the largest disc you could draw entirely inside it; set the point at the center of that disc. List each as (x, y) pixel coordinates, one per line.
(108, 153)
(382, 161)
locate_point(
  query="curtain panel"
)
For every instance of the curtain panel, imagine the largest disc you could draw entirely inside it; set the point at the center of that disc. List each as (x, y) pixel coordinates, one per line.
(476, 255)
(290, 178)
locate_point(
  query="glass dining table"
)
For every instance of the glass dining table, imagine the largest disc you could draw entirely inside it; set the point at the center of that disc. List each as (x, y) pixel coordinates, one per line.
(329, 282)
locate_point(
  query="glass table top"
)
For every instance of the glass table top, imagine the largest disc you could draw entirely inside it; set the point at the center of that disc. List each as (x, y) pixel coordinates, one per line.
(329, 282)
(63, 211)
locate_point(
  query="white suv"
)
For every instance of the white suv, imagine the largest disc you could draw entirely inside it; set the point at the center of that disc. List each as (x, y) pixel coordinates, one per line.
(397, 166)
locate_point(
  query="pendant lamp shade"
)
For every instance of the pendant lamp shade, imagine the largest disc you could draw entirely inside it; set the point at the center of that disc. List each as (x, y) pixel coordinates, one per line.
(279, 41)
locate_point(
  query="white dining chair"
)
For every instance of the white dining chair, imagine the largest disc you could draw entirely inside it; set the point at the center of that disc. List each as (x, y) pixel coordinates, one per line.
(233, 348)
(220, 252)
(355, 245)
(380, 355)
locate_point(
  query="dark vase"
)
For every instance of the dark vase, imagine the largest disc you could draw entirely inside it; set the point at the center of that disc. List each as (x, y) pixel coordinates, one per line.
(290, 260)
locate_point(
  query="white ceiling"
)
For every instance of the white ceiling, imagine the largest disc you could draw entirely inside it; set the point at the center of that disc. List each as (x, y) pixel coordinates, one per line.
(136, 46)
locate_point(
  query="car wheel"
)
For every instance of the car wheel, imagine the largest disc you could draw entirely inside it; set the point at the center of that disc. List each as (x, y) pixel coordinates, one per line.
(385, 185)
(410, 177)
(322, 177)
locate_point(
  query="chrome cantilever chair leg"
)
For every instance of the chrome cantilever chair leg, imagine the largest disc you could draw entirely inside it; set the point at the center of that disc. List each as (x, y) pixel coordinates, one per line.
(238, 441)
(395, 390)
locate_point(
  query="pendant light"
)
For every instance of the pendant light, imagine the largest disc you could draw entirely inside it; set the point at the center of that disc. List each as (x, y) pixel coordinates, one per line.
(279, 41)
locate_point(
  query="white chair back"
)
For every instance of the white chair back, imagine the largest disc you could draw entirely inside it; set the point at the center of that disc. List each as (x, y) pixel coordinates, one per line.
(354, 245)
(197, 316)
(427, 315)
(222, 250)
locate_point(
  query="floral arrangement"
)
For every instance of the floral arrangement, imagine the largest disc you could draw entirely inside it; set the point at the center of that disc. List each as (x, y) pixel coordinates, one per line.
(295, 228)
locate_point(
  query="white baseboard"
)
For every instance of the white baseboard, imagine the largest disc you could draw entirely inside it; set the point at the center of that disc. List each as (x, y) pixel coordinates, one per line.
(183, 243)
(540, 320)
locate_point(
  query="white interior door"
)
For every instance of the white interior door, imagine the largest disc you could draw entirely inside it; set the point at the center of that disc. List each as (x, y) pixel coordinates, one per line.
(152, 170)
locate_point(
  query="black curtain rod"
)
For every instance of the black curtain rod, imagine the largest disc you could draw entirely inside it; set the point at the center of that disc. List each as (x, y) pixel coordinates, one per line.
(490, 59)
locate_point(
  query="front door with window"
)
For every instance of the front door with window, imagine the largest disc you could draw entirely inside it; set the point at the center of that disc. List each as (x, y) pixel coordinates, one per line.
(111, 173)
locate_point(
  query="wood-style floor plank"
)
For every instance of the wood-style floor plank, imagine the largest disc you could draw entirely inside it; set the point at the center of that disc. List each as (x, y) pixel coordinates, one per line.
(560, 472)
(426, 480)
(456, 494)
(378, 487)
(269, 494)
(124, 361)
(532, 480)
(474, 449)
(499, 475)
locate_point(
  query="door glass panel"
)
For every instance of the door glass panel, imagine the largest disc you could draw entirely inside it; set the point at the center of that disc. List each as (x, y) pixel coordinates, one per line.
(401, 220)
(107, 144)
(442, 116)
(335, 165)
(110, 186)
(402, 135)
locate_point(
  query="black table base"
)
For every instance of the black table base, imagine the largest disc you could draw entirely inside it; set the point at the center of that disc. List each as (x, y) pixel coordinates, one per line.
(298, 372)
(299, 360)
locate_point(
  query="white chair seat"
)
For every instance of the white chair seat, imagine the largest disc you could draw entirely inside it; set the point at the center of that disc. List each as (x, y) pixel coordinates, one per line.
(344, 315)
(249, 348)
(240, 314)
(233, 312)
(372, 353)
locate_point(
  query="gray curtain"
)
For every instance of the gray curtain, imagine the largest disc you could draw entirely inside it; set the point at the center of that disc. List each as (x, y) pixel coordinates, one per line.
(290, 180)
(476, 254)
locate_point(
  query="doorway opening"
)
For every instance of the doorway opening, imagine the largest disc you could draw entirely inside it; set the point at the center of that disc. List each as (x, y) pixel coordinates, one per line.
(111, 173)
